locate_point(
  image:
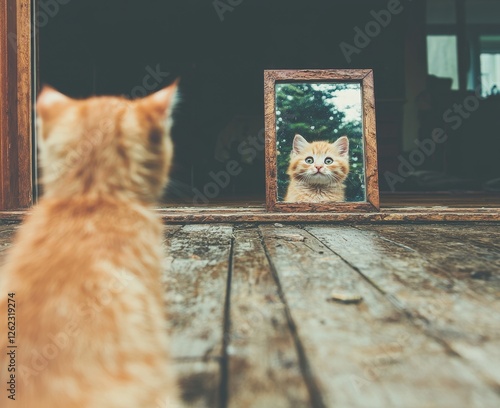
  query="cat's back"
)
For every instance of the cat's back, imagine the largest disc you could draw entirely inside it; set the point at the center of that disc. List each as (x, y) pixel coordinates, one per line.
(85, 274)
(60, 231)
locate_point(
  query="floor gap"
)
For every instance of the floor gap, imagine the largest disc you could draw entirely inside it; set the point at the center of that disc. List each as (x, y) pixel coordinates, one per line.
(305, 368)
(224, 362)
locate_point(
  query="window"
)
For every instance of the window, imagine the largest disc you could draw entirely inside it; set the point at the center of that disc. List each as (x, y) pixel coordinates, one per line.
(490, 64)
(442, 57)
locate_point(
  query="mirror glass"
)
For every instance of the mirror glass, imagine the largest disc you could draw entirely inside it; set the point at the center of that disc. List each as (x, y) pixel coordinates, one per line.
(319, 137)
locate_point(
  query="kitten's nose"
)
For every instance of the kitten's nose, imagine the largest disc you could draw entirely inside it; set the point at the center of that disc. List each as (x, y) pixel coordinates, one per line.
(318, 166)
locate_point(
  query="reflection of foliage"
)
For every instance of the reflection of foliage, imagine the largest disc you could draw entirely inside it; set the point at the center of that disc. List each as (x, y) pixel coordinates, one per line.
(310, 110)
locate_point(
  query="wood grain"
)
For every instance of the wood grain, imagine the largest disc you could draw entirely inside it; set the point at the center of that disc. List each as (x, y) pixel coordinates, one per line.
(255, 214)
(7, 233)
(195, 275)
(370, 141)
(367, 354)
(270, 139)
(196, 271)
(362, 76)
(404, 215)
(427, 288)
(7, 73)
(484, 235)
(301, 75)
(24, 105)
(15, 105)
(470, 254)
(425, 334)
(264, 367)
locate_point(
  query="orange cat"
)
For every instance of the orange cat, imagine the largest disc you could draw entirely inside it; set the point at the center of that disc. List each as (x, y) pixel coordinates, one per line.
(318, 170)
(85, 267)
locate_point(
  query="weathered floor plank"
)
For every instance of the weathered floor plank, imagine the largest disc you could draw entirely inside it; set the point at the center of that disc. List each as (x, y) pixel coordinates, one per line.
(264, 367)
(367, 354)
(467, 252)
(196, 267)
(446, 307)
(426, 334)
(470, 255)
(195, 276)
(7, 233)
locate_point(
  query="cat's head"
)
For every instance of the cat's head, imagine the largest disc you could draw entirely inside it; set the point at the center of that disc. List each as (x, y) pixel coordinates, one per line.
(105, 145)
(319, 163)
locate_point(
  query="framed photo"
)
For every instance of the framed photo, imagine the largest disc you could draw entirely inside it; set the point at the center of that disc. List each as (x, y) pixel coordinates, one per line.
(321, 150)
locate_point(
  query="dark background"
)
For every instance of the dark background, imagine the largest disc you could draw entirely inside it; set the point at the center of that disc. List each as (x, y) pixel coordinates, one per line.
(95, 47)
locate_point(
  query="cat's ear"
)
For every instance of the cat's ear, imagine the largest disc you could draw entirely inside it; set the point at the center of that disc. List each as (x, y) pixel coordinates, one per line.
(342, 145)
(48, 105)
(163, 101)
(48, 99)
(299, 144)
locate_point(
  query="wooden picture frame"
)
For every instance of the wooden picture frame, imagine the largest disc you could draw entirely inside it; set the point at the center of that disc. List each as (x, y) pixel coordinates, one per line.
(364, 77)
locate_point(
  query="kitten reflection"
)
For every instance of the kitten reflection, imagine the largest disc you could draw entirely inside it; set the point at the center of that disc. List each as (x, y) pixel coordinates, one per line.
(318, 170)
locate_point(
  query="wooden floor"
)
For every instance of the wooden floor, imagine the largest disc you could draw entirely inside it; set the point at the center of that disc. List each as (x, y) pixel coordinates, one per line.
(404, 316)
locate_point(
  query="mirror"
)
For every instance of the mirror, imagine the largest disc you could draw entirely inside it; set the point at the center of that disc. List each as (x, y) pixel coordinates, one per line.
(319, 142)
(318, 127)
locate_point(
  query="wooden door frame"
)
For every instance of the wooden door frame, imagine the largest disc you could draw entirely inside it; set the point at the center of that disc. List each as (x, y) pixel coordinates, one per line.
(16, 171)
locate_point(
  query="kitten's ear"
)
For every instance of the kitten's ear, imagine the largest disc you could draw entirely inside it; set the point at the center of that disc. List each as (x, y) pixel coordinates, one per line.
(163, 101)
(299, 144)
(48, 99)
(342, 145)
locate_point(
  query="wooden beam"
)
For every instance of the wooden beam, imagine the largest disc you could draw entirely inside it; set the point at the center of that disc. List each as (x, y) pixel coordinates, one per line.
(15, 105)
(390, 215)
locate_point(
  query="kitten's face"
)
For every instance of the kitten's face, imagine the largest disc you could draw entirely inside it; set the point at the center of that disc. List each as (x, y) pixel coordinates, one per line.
(105, 145)
(319, 163)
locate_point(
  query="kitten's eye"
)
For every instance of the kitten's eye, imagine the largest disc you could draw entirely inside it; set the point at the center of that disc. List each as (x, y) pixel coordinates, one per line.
(309, 160)
(328, 160)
